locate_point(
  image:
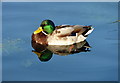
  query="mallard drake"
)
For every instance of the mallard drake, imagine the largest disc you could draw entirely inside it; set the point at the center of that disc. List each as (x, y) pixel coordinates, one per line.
(49, 34)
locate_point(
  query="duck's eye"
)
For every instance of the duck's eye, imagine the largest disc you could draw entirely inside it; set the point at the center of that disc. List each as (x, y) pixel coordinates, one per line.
(43, 25)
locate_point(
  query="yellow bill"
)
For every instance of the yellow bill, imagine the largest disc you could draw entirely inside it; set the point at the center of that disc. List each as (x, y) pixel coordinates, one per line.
(38, 30)
(37, 53)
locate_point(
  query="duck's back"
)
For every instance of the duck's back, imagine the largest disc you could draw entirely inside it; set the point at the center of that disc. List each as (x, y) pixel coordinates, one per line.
(67, 35)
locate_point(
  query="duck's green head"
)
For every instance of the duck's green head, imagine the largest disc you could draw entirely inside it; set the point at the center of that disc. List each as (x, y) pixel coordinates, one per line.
(46, 26)
(44, 56)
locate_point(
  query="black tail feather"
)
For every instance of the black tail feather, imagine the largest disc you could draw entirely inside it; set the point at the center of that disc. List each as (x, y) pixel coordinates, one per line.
(87, 29)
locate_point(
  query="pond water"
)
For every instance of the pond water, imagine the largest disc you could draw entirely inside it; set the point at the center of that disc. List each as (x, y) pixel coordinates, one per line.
(19, 20)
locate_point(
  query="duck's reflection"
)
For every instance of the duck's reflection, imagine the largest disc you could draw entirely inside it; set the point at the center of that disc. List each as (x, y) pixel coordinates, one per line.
(45, 53)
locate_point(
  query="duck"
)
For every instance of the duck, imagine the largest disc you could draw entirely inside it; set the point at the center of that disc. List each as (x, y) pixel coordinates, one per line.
(49, 34)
